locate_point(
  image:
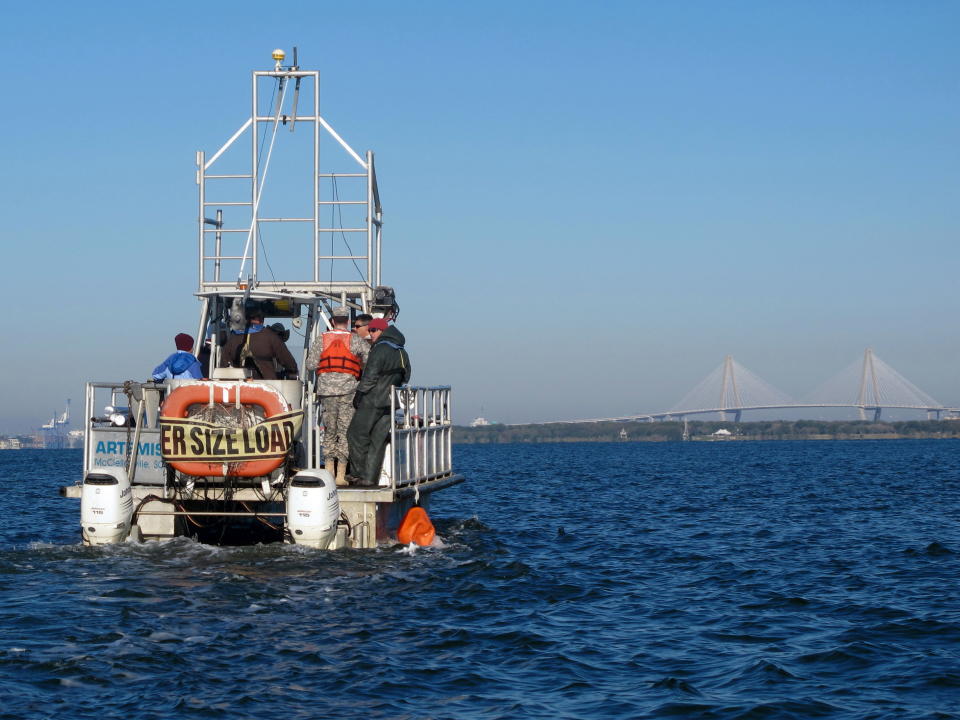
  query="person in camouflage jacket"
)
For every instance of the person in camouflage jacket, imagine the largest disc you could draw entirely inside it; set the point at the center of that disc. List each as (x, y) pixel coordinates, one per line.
(335, 390)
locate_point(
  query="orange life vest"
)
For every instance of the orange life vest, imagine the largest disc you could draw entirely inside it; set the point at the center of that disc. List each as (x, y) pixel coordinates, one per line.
(336, 356)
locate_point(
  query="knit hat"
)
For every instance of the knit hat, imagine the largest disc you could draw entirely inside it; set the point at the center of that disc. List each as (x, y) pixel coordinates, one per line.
(183, 342)
(377, 324)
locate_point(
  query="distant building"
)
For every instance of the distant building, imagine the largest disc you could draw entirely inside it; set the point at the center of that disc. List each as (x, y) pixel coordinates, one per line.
(479, 422)
(54, 433)
(623, 434)
(722, 432)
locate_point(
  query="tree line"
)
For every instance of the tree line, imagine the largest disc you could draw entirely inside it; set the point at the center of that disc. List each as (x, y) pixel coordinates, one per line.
(632, 431)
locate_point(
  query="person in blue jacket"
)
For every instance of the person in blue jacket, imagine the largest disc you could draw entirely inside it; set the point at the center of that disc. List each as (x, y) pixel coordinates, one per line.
(182, 364)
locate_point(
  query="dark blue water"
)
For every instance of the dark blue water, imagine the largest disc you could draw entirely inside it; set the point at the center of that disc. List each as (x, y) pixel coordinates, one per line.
(634, 580)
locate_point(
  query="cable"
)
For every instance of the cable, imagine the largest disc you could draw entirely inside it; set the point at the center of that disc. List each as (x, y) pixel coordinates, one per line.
(263, 250)
(156, 498)
(263, 181)
(263, 139)
(148, 498)
(335, 209)
(256, 516)
(346, 521)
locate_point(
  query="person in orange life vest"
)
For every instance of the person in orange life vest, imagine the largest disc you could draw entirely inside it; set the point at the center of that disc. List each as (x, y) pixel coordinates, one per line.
(338, 356)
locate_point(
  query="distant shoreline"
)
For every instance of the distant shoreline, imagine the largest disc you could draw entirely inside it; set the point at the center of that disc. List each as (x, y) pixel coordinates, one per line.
(699, 431)
(705, 431)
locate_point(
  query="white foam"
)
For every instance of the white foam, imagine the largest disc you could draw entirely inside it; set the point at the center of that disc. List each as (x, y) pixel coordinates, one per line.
(410, 549)
(160, 636)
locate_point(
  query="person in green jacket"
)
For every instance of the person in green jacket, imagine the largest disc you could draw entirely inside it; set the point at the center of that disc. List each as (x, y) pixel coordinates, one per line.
(387, 366)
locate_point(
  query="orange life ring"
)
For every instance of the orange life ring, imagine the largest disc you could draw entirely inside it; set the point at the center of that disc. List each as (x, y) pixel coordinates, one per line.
(179, 401)
(416, 527)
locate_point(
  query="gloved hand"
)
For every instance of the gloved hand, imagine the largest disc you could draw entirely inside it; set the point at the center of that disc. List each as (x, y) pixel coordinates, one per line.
(357, 397)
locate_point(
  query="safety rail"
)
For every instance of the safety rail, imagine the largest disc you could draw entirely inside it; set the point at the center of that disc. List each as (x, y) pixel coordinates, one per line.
(421, 435)
(130, 416)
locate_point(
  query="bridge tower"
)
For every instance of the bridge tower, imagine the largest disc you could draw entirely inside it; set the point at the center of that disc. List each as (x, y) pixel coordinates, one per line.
(868, 386)
(729, 394)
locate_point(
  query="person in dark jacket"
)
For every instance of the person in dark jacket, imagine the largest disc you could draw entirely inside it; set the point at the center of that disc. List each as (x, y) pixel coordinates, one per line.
(182, 364)
(203, 357)
(387, 366)
(257, 348)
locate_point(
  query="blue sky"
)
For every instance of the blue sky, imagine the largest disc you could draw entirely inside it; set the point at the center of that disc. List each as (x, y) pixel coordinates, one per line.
(588, 205)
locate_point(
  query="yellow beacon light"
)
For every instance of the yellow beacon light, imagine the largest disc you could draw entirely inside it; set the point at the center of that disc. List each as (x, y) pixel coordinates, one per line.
(278, 55)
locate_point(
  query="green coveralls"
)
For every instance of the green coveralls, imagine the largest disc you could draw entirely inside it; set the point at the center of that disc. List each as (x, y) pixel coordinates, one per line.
(387, 366)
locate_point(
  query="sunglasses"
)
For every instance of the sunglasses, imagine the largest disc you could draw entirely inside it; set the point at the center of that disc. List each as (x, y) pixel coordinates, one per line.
(358, 326)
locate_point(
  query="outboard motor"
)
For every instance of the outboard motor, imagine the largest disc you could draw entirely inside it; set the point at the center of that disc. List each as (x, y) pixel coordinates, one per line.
(106, 507)
(313, 508)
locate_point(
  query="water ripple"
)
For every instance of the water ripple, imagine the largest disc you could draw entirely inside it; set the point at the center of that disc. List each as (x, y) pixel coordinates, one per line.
(716, 580)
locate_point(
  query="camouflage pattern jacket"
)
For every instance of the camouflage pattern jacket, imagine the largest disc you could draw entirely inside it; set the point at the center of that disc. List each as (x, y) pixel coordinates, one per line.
(337, 383)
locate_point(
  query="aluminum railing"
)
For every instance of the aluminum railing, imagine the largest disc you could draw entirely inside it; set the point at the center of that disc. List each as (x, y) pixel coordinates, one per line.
(421, 435)
(134, 410)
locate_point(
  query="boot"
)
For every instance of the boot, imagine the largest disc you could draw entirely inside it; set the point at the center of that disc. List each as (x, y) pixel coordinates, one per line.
(342, 473)
(330, 465)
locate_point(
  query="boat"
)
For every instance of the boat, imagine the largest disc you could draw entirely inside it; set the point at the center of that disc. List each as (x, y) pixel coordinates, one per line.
(230, 459)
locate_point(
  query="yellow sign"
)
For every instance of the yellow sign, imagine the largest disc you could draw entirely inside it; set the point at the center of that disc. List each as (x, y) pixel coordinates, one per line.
(191, 439)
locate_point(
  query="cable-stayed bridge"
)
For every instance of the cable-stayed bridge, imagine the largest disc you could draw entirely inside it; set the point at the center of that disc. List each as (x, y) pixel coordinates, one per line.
(868, 385)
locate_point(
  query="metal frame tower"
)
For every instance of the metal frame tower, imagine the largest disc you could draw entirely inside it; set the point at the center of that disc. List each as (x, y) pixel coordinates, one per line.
(217, 242)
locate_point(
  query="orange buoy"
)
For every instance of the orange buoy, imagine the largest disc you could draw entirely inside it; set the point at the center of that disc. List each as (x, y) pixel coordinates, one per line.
(416, 527)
